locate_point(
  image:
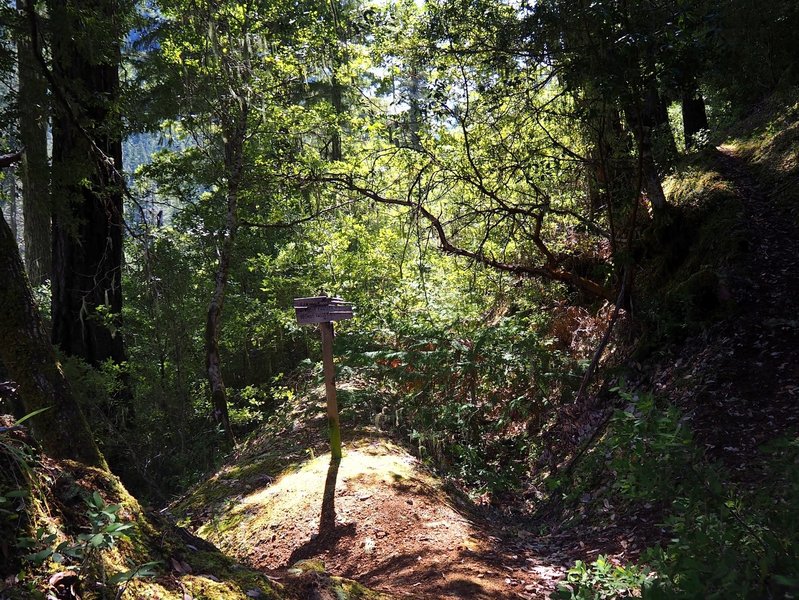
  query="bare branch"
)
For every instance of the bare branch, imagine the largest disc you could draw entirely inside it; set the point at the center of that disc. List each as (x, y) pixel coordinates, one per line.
(289, 224)
(547, 271)
(6, 160)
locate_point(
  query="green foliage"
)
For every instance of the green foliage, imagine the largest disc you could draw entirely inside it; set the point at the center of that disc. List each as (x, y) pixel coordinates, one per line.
(465, 394)
(729, 543)
(83, 553)
(602, 580)
(23, 504)
(105, 531)
(648, 448)
(726, 541)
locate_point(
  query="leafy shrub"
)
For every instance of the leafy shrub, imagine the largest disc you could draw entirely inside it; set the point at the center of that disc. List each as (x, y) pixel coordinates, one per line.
(602, 579)
(725, 541)
(467, 395)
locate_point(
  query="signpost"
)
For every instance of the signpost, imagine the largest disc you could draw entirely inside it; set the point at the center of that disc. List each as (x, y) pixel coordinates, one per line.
(324, 310)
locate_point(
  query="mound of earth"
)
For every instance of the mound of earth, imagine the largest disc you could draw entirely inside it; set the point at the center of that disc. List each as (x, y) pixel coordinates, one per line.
(377, 516)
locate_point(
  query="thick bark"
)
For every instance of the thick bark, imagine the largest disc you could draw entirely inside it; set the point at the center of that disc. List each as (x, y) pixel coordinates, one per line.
(694, 116)
(35, 172)
(13, 212)
(30, 361)
(87, 189)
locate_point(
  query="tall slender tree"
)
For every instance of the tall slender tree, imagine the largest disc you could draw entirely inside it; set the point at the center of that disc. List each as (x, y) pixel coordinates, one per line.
(229, 69)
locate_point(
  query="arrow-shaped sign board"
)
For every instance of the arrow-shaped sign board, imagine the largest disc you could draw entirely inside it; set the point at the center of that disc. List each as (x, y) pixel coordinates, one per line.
(322, 309)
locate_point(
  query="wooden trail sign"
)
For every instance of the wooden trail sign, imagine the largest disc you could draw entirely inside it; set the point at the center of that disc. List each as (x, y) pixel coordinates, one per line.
(321, 309)
(324, 310)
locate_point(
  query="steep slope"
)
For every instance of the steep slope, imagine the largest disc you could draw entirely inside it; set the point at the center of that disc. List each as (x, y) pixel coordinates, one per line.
(738, 380)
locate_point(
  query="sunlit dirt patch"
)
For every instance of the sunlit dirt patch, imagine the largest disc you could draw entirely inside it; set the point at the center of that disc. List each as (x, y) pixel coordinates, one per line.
(376, 517)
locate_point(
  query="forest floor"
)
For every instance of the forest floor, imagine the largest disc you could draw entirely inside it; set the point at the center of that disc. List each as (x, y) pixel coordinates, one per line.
(738, 381)
(380, 518)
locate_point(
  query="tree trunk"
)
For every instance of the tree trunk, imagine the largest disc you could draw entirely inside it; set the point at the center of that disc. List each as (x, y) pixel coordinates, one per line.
(641, 122)
(337, 99)
(13, 212)
(664, 147)
(30, 361)
(213, 360)
(35, 172)
(415, 111)
(651, 177)
(87, 188)
(694, 116)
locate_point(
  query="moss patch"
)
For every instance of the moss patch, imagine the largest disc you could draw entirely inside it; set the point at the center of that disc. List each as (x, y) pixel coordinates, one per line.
(57, 504)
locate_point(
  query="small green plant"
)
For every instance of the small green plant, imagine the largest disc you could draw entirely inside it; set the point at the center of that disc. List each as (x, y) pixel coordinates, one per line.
(649, 448)
(106, 530)
(85, 551)
(602, 579)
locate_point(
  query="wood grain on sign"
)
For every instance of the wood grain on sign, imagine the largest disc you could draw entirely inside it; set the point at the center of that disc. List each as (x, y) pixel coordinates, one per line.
(322, 309)
(315, 301)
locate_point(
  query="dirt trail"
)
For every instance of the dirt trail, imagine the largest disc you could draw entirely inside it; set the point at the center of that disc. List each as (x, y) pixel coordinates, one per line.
(739, 380)
(379, 518)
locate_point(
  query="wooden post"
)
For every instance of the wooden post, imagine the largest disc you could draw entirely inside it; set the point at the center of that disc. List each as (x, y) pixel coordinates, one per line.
(324, 310)
(330, 389)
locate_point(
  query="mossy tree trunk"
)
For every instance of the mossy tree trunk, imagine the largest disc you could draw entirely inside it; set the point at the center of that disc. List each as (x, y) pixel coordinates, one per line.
(29, 359)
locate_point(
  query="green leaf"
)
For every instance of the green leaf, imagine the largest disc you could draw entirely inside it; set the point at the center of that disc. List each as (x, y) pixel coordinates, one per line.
(39, 557)
(116, 528)
(97, 540)
(122, 577)
(32, 414)
(73, 552)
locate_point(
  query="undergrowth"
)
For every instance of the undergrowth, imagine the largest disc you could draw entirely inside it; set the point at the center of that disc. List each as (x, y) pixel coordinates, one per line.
(468, 398)
(726, 540)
